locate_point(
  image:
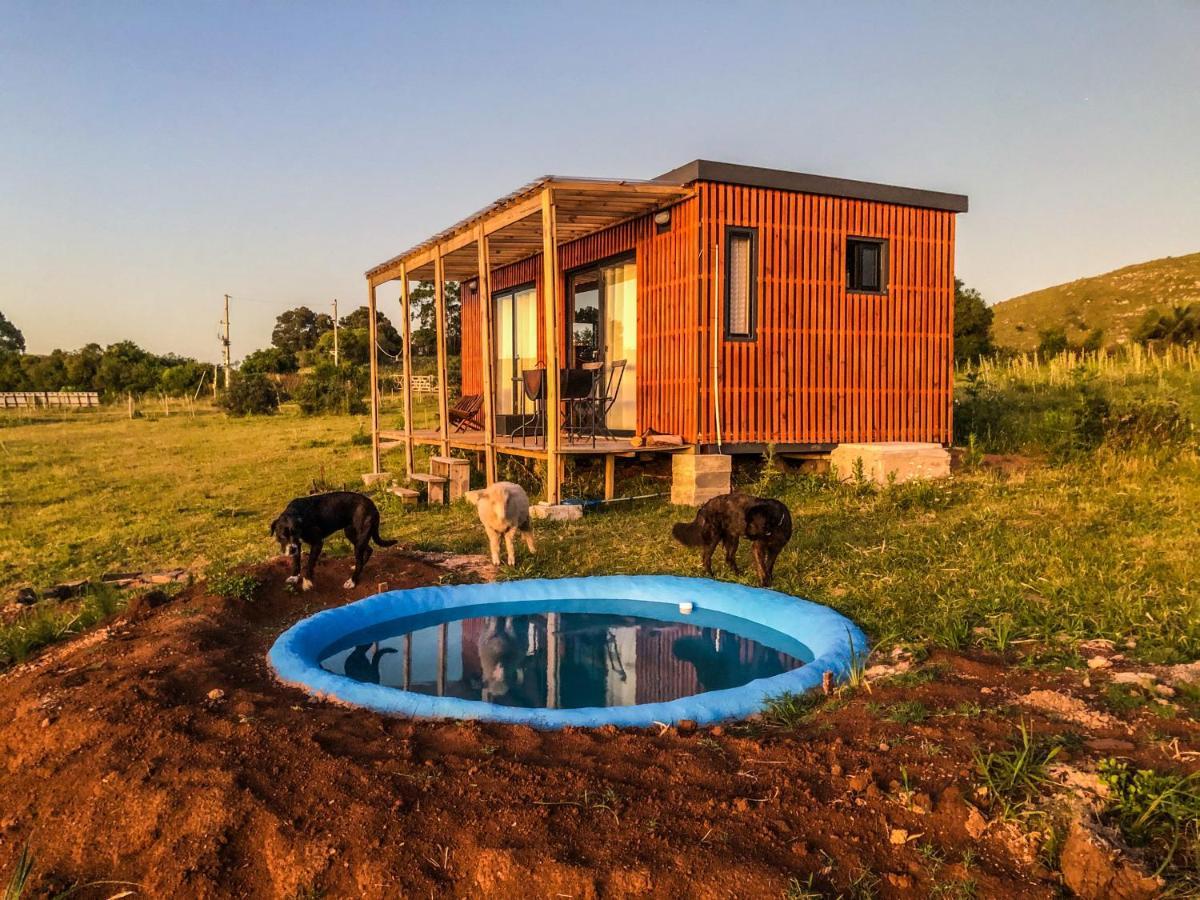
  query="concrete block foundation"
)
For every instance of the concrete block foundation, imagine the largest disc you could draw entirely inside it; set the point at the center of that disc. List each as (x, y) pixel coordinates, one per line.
(698, 477)
(891, 462)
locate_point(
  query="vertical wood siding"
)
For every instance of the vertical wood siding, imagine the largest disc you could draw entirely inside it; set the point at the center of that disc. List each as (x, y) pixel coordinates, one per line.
(828, 366)
(825, 366)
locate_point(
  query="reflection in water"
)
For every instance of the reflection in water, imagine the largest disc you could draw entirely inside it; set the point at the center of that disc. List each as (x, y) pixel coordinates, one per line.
(564, 660)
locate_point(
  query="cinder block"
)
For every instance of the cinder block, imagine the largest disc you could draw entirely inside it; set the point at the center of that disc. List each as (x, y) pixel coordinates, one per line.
(698, 477)
(891, 462)
(557, 512)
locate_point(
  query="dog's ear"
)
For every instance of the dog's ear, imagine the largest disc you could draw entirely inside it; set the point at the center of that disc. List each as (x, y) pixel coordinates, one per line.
(271, 530)
(758, 521)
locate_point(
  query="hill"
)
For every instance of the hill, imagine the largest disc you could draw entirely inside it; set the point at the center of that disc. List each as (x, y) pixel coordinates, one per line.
(1114, 302)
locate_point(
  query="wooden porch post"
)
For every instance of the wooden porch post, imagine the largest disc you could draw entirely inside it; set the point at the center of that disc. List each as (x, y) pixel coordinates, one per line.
(550, 302)
(439, 303)
(485, 319)
(406, 355)
(372, 328)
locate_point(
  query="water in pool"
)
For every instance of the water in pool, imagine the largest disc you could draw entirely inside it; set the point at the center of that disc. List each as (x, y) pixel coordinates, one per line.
(602, 659)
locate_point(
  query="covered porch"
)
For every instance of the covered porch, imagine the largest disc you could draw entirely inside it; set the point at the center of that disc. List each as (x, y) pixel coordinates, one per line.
(537, 219)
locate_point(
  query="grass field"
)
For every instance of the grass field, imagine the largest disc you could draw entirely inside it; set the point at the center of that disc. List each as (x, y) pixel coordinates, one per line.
(1099, 542)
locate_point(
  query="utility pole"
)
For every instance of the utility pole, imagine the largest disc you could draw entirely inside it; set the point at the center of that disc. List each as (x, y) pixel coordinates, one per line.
(225, 343)
(335, 332)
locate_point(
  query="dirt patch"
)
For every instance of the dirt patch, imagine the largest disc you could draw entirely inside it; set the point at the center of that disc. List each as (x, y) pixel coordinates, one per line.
(161, 751)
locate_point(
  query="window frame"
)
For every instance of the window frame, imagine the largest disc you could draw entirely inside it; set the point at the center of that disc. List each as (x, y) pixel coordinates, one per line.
(739, 231)
(884, 258)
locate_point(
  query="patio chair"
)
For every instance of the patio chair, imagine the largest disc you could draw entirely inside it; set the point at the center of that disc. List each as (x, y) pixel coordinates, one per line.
(464, 415)
(605, 403)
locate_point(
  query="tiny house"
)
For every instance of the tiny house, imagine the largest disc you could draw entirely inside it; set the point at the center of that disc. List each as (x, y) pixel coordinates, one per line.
(718, 308)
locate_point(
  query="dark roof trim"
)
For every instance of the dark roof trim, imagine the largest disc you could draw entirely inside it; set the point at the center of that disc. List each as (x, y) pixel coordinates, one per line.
(779, 179)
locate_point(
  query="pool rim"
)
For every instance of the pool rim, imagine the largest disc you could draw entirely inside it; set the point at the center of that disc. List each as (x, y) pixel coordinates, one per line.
(834, 640)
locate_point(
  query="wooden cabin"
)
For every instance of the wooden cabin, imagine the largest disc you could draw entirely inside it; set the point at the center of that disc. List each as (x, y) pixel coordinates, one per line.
(750, 307)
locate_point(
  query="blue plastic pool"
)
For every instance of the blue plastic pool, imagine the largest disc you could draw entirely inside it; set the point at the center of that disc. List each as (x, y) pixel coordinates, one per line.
(577, 651)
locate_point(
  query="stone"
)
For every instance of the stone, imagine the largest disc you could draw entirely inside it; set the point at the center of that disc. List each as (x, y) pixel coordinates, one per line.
(1096, 871)
(557, 512)
(975, 824)
(891, 462)
(26, 596)
(1099, 662)
(698, 477)
(216, 694)
(1141, 679)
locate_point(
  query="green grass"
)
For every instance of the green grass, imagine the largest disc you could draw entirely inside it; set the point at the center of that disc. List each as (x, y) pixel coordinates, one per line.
(1014, 777)
(1114, 302)
(1101, 544)
(1160, 812)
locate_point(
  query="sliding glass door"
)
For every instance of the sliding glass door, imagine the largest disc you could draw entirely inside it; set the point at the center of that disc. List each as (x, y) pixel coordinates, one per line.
(515, 322)
(603, 319)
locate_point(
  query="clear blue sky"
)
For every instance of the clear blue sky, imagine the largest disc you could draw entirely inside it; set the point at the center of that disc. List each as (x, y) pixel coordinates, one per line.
(154, 156)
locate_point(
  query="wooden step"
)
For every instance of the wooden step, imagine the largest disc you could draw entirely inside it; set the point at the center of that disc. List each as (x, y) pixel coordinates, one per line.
(448, 461)
(406, 495)
(428, 478)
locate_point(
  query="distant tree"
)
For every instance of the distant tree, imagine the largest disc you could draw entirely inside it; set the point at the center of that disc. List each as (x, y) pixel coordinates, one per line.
(972, 324)
(1179, 326)
(1052, 342)
(249, 395)
(181, 376)
(352, 347)
(11, 339)
(389, 338)
(127, 368)
(1093, 340)
(330, 388)
(299, 329)
(424, 336)
(271, 361)
(82, 367)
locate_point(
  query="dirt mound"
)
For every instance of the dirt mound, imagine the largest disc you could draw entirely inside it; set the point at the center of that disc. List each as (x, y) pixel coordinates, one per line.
(161, 751)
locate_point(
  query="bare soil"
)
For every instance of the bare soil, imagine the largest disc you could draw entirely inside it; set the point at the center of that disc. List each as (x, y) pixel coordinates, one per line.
(161, 752)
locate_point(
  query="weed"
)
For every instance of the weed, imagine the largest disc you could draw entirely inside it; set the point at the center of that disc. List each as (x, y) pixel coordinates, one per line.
(910, 712)
(790, 710)
(1014, 777)
(968, 709)
(1123, 698)
(856, 671)
(801, 890)
(15, 889)
(1158, 811)
(233, 585)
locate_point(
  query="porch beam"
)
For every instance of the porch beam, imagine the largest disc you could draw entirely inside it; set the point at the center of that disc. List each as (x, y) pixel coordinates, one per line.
(439, 306)
(505, 217)
(406, 356)
(484, 292)
(551, 317)
(373, 356)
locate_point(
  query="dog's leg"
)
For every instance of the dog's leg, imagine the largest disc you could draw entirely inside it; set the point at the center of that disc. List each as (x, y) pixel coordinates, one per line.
(314, 552)
(294, 552)
(362, 553)
(731, 549)
(494, 543)
(527, 533)
(762, 562)
(709, 549)
(509, 545)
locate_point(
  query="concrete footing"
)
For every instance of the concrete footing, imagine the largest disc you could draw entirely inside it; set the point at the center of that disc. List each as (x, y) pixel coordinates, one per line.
(556, 512)
(892, 462)
(698, 477)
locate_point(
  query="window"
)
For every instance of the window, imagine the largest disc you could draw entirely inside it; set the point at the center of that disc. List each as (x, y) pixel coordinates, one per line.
(740, 272)
(866, 265)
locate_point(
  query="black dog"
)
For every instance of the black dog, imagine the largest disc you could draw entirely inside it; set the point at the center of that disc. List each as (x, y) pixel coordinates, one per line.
(729, 518)
(313, 519)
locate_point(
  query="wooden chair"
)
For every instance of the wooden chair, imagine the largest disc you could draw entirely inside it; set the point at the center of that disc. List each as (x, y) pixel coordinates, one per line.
(464, 415)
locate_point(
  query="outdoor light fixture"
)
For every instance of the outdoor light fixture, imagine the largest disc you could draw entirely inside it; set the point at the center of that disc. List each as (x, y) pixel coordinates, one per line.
(662, 219)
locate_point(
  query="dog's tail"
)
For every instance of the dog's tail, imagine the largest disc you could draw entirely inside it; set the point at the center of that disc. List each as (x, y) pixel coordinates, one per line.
(377, 539)
(688, 533)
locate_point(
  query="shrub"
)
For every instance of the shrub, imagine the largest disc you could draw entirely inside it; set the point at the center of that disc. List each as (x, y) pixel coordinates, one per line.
(250, 395)
(336, 389)
(233, 585)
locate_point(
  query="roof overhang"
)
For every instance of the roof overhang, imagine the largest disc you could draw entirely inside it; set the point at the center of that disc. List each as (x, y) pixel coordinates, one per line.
(780, 179)
(513, 224)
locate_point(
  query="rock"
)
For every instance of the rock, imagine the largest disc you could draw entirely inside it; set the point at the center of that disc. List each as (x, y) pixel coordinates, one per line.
(66, 590)
(685, 726)
(216, 694)
(1164, 690)
(899, 881)
(1185, 673)
(860, 780)
(1095, 871)
(976, 824)
(835, 770)
(558, 512)
(741, 804)
(26, 596)
(898, 837)
(884, 746)
(1141, 679)
(1099, 662)
(1067, 708)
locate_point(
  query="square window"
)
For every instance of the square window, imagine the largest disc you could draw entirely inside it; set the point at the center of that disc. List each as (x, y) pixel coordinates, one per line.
(866, 265)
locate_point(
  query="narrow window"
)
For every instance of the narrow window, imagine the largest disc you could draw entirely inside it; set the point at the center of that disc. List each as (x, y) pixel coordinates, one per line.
(739, 283)
(866, 265)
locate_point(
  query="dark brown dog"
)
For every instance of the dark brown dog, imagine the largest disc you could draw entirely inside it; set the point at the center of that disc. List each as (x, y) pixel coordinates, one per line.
(312, 519)
(729, 518)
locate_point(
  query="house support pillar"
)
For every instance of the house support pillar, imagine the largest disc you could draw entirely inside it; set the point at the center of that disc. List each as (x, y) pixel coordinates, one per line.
(550, 273)
(439, 304)
(484, 293)
(406, 353)
(372, 336)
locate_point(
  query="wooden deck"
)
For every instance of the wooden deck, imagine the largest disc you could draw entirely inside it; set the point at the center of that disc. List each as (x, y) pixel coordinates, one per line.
(533, 448)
